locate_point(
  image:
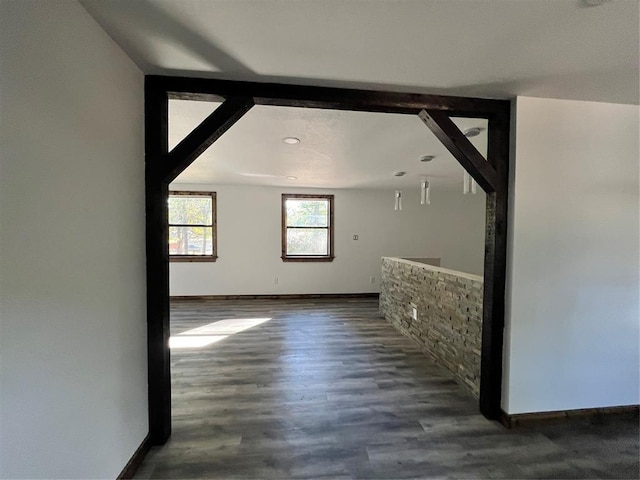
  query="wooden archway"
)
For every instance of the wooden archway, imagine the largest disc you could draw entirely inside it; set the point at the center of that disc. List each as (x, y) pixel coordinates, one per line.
(163, 166)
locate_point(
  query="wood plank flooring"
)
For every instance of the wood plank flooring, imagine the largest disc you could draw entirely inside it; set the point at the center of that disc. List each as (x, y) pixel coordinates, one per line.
(328, 389)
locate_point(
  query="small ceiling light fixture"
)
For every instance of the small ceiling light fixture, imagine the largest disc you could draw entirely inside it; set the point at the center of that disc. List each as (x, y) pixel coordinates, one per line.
(398, 205)
(399, 174)
(472, 132)
(427, 158)
(425, 192)
(291, 140)
(291, 177)
(469, 185)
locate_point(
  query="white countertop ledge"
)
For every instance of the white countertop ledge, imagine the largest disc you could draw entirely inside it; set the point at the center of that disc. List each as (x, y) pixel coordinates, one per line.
(468, 276)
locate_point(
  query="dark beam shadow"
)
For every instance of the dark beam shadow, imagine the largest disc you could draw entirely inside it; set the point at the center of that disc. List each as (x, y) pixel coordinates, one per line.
(150, 17)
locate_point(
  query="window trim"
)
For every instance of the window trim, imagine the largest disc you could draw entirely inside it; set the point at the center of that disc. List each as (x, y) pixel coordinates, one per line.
(214, 229)
(307, 258)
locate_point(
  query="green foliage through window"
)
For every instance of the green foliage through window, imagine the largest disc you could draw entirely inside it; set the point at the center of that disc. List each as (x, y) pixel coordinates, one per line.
(307, 228)
(192, 225)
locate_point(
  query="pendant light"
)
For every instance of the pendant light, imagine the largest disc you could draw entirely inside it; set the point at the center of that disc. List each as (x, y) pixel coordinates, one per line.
(469, 185)
(398, 200)
(425, 192)
(466, 183)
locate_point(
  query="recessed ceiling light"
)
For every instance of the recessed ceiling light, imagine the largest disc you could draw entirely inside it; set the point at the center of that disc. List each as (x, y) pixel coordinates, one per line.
(291, 140)
(291, 177)
(472, 132)
(427, 158)
(399, 174)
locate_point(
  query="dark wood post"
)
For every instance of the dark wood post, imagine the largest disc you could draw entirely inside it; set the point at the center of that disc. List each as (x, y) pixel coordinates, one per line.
(161, 167)
(492, 174)
(495, 270)
(156, 194)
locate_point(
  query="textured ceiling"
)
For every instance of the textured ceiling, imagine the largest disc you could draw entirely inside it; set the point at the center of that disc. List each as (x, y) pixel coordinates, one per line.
(485, 48)
(337, 149)
(489, 48)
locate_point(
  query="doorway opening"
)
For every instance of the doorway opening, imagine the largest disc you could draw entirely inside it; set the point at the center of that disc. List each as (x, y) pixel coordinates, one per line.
(164, 164)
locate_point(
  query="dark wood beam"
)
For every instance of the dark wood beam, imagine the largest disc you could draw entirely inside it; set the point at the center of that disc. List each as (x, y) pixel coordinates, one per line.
(495, 271)
(203, 136)
(492, 174)
(157, 238)
(163, 166)
(461, 148)
(326, 97)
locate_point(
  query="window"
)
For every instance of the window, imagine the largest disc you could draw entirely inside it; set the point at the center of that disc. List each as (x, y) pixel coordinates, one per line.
(192, 227)
(307, 228)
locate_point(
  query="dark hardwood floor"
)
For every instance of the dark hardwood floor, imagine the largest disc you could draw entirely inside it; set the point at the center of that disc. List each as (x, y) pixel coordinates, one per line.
(327, 388)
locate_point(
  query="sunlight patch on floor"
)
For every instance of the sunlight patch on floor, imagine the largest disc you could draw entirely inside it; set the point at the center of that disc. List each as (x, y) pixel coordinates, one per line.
(194, 341)
(213, 332)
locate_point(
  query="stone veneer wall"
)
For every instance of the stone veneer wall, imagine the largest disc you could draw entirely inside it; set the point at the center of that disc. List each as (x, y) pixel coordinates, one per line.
(449, 304)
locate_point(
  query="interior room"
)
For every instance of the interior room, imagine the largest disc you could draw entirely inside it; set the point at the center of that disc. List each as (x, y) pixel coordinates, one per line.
(362, 159)
(232, 292)
(274, 366)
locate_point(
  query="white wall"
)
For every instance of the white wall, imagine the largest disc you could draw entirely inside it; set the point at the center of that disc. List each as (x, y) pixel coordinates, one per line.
(249, 241)
(572, 313)
(73, 395)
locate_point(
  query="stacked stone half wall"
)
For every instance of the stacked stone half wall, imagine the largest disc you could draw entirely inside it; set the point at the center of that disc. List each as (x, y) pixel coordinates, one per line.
(448, 326)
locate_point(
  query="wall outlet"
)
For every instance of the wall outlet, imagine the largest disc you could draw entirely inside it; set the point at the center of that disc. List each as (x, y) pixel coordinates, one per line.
(275, 280)
(372, 279)
(355, 237)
